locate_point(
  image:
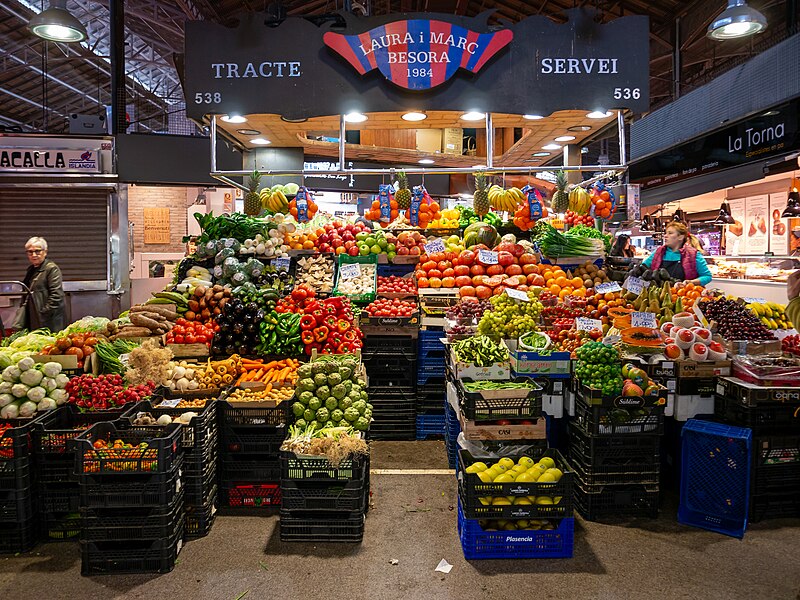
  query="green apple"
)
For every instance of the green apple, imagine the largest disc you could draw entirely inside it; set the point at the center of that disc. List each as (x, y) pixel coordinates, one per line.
(369, 240)
(361, 236)
(363, 249)
(391, 248)
(376, 249)
(391, 255)
(383, 243)
(453, 239)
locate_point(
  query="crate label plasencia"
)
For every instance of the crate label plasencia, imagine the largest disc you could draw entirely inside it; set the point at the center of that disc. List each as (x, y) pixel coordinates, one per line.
(436, 245)
(605, 288)
(517, 295)
(644, 319)
(584, 324)
(350, 271)
(487, 257)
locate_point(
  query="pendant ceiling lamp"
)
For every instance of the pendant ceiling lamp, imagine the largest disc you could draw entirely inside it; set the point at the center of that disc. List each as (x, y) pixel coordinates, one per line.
(57, 24)
(679, 216)
(792, 206)
(736, 21)
(647, 224)
(724, 217)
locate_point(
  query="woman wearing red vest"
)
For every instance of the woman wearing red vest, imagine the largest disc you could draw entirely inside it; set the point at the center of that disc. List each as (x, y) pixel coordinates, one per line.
(679, 257)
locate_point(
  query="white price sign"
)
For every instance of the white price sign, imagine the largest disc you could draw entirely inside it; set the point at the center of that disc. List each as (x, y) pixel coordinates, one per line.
(517, 295)
(350, 271)
(605, 288)
(644, 319)
(584, 324)
(610, 340)
(169, 403)
(282, 263)
(436, 245)
(635, 285)
(487, 257)
(750, 300)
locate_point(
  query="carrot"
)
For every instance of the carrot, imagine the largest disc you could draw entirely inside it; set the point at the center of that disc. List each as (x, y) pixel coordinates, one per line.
(270, 365)
(241, 379)
(258, 375)
(269, 388)
(269, 376)
(282, 375)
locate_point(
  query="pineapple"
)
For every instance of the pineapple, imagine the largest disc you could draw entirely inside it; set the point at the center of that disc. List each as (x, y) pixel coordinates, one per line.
(252, 201)
(403, 195)
(561, 197)
(481, 198)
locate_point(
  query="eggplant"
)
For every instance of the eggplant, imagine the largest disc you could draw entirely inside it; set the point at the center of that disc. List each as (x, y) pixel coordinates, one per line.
(648, 276)
(664, 274)
(251, 327)
(231, 349)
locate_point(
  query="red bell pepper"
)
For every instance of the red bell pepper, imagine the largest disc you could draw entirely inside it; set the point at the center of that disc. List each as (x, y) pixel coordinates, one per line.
(345, 348)
(307, 322)
(307, 337)
(330, 322)
(319, 316)
(350, 335)
(320, 334)
(342, 326)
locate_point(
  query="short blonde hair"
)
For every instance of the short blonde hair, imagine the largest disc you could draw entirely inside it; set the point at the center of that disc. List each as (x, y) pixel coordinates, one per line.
(37, 241)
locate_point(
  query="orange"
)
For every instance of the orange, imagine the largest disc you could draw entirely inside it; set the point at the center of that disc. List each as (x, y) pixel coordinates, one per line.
(308, 245)
(548, 275)
(564, 293)
(577, 282)
(561, 281)
(555, 289)
(609, 296)
(580, 292)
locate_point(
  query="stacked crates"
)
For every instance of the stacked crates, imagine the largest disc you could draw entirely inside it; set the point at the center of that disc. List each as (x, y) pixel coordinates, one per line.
(452, 425)
(391, 364)
(131, 498)
(17, 518)
(432, 358)
(57, 488)
(773, 415)
(249, 443)
(615, 451)
(322, 503)
(199, 443)
(515, 519)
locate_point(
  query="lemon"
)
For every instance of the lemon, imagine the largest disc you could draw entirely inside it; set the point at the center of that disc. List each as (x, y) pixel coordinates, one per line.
(522, 500)
(492, 472)
(547, 461)
(533, 528)
(548, 526)
(544, 500)
(527, 461)
(485, 476)
(506, 462)
(523, 524)
(510, 527)
(486, 500)
(557, 499)
(501, 501)
(500, 466)
(526, 477)
(532, 499)
(557, 473)
(500, 523)
(476, 467)
(547, 477)
(504, 478)
(535, 473)
(519, 468)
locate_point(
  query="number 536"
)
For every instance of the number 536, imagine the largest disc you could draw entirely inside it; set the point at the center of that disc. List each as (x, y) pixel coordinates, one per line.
(627, 93)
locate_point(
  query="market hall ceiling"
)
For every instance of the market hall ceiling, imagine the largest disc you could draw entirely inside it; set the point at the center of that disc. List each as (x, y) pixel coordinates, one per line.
(42, 83)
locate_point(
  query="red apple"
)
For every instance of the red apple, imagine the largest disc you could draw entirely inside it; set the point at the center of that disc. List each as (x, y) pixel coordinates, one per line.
(353, 251)
(673, 352)
(402, 251)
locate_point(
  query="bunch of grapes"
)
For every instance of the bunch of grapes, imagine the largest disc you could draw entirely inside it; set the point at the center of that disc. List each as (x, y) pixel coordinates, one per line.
(510, 318)
(468, 309)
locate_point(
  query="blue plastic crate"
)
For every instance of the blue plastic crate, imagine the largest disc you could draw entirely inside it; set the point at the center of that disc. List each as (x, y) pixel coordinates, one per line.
(429, 426)
(396, 270)
(431, 355)
(434, 366)
(524, 543)
(715, 477)
(430, 378)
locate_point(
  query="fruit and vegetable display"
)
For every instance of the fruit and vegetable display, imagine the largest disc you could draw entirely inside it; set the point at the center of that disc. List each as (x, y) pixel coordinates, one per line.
(791, 344)
(686, 339)
(468, 309)
(396, 286)
(275, 373)
(75, 344)
(331, 393)
(734, 321)
(772, 315)
(361, 283)
(524, 470)
(657, 276)
(599, 368)
(109, 353)
(554, 244)
(28, 387)
(316, 272)
(190, 332)
(145, 419)
(509, 317)
(271, 393)
(384, 307)
(480, 350)
(105, 392)
(239, 328)
(328, 327)
(334, 443)
(279, 333)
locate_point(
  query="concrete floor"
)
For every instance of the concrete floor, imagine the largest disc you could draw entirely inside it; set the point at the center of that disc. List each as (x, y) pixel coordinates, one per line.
(413, 520)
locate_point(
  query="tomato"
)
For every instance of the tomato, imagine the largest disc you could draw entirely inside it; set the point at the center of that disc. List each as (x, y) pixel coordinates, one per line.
(179, 330)
(180, 339)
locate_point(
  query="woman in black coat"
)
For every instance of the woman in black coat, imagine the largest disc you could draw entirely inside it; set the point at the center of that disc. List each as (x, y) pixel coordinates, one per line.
(46, 306)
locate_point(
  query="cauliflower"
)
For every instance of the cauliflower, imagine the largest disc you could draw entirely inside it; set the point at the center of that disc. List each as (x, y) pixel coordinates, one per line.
(19, 390)
(36, 394)
(31, 377)
(11, 374)
(51, 369)
(25, 364)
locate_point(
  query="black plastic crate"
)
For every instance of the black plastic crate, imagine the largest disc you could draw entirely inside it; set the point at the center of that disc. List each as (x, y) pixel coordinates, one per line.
(58, 498)
(318, 527)
(56, 469)
(199, 519)
(198, 486)
(776, 464)
(388, 394)
(160, 456)
(16, 473)
(133, 523)
(148, 556)
(394, 432)
(375, 345)
(193, 433)
(252, 441)
(616, 501)
(15, 442)
(54, 431)
(633, 473)
(17, 537)
(477, 408)
(60, 527)
(243, 469)
(16, 505)
(775, 506)
(764, 419)
(604, 421)
(612, 451)
(389, 375)
(316, 468)
(264, 495)
(475, 493)
(253, 417)
(136, 491)
(315, 495)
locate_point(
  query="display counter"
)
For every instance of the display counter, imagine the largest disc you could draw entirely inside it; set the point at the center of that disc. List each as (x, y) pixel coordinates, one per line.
(771, 291)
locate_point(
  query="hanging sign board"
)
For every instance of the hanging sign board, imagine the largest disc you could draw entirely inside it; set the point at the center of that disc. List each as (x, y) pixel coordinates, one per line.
(423, 61)
(49, 160)
(156, 226)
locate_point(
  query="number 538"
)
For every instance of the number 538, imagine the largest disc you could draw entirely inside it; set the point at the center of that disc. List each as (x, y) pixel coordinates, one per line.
(207, 98)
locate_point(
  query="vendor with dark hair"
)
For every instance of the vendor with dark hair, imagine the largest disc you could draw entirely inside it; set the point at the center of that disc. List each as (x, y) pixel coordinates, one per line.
(679, 257)
(622, 246)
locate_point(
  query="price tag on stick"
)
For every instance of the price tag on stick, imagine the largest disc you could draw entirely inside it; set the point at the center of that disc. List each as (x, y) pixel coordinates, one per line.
(282, 263)
(605, 288)
(487, 257)
(350, 271)
(584, 324)
(436, 245)
(635, 285)
(644, 319)
(517, 295)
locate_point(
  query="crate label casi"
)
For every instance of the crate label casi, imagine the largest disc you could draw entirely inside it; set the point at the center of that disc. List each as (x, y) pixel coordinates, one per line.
(517, 295)
(584, 324)
(605, 288)
(350, 271)
(487, 257)
(436, 245)
(644, 319)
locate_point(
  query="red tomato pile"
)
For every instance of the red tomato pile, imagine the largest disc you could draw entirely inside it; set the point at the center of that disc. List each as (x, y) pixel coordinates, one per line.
(515, 268)
(573, 218)
(396, 285)
(191, 332)
(383, 307)
(104, 392)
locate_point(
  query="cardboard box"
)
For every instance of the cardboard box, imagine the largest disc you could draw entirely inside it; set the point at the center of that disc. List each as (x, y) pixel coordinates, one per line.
(429, 140)
(186, 350)
(554, 365)
(498, 371)
(748, 394)
(753, 348)
(453, 140)
(473, 430)
(711, 368)
(689, 406)
(697, 386)
(67, 361)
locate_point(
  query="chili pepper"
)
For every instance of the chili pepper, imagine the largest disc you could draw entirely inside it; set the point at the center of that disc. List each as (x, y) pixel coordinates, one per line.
(321, 333)
(350, 335)
(342, 326)
(307, 336)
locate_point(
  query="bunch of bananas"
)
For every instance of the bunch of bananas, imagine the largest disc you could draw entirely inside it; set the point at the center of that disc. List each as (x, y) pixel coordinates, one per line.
(771, 314)
(274, 201)
(580, 202)
(505, 200)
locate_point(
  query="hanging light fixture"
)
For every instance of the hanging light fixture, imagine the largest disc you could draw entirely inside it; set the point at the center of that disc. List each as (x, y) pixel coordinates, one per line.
(57, 24)
(792, 206)
(679, 216)
(647, 224)
(724, 217)
(736, 21)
